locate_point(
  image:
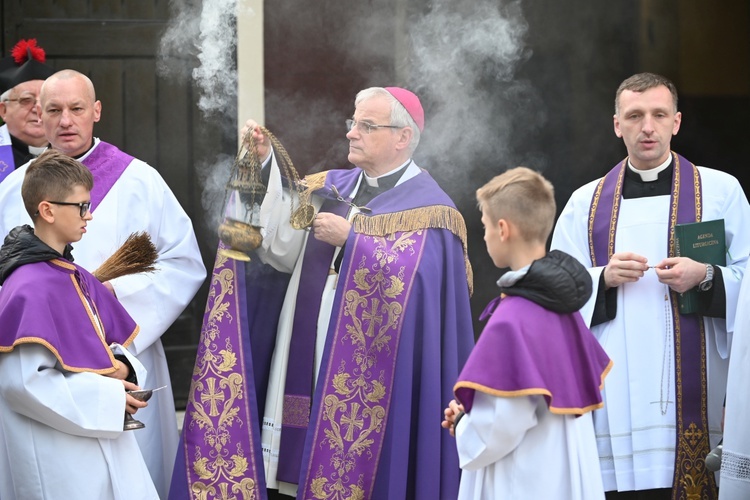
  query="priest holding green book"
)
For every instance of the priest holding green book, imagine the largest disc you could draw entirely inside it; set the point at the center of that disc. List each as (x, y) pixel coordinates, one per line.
(664, 396)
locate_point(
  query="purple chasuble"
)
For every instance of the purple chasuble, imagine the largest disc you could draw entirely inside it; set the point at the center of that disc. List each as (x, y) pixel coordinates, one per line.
(106, 163)
(56, 316)
(399, 333)
(527, 350)
(691, 478)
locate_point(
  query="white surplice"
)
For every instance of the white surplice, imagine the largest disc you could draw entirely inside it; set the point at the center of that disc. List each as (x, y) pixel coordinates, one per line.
(636, 428)
(513, 448)
(61, 433)
(735, 464)
(140, 200)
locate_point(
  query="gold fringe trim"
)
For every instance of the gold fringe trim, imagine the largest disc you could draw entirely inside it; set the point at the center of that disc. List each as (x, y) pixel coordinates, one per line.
(315, 181)
(432, 217)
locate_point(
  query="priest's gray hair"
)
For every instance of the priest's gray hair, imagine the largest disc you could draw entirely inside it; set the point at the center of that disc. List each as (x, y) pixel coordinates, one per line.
(399, 116)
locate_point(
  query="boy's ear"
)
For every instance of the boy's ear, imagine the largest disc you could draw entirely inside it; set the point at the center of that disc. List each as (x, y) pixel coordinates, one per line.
(44, 209)
(504, 228)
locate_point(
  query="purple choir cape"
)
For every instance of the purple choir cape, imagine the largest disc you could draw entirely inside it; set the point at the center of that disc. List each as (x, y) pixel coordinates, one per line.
(399, 334)
(45, 303)
(527, 350)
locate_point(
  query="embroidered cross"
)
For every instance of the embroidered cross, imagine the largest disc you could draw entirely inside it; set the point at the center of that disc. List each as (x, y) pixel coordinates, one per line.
(352, 421)
(373, 317)
(213, 396)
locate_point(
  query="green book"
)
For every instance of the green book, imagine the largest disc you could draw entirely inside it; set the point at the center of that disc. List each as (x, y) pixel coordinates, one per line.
(702, 242)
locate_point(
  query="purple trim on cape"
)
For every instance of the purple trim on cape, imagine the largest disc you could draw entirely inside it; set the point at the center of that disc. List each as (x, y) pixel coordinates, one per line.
(692, 438)
(28, 315)
(7, 162)
(107, 163)
(220, 446)
(526, 349)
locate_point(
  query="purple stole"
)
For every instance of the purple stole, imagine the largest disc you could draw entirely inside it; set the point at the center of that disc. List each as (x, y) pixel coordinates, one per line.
(106, 163)
(220, 453)
(691, 479)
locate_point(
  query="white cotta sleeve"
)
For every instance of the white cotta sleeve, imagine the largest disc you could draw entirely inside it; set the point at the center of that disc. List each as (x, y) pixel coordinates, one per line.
(494, 428)
(282, 244)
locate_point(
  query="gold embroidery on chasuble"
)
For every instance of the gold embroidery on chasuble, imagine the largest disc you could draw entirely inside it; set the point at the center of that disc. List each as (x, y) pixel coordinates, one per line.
(358, 389)
(215, 400)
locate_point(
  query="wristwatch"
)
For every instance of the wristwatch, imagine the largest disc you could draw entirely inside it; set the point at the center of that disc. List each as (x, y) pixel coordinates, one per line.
(707, 283)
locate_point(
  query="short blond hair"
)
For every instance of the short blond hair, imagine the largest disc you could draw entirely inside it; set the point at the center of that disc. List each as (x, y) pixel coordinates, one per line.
(523, 197)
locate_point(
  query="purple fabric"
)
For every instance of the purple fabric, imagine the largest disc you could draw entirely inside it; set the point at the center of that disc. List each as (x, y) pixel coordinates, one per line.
(220, 445)
(7, 163)
(358, 382)
(55, 315)
(417, 458)
(689, 343)
(299, 379)
(526, 349)
(107, 163)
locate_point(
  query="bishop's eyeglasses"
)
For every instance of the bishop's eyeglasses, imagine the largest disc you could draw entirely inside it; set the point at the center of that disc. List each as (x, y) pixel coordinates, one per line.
(366, 127)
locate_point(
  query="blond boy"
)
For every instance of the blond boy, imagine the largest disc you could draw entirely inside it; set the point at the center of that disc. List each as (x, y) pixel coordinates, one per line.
(536, 368)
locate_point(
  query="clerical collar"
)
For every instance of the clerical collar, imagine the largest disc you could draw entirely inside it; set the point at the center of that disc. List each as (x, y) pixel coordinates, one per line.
(653, 173)
(36, 151)
(376, 181)
(93, 143)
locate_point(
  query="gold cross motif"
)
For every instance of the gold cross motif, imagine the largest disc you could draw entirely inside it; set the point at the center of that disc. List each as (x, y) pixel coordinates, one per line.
(373, 317)
(351, 422)
(213, 396)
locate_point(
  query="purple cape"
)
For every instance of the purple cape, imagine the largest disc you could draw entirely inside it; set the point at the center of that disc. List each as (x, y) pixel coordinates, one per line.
(45, 303)
(411, 456)
(526, 349)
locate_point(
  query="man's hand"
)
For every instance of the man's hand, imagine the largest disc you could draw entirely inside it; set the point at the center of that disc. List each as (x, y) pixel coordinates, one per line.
(624, 267)
(450, 414)
(331, 228)
(262, 144)
(680, 273)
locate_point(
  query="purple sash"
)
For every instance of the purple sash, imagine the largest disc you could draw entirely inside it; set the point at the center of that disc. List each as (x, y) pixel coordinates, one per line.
(221, 441)
(107, 163)
(359, 375)
(691, 479)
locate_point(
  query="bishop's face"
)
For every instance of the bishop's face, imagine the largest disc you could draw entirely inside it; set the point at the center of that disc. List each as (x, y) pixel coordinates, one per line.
(377, 152)
(646, 121)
